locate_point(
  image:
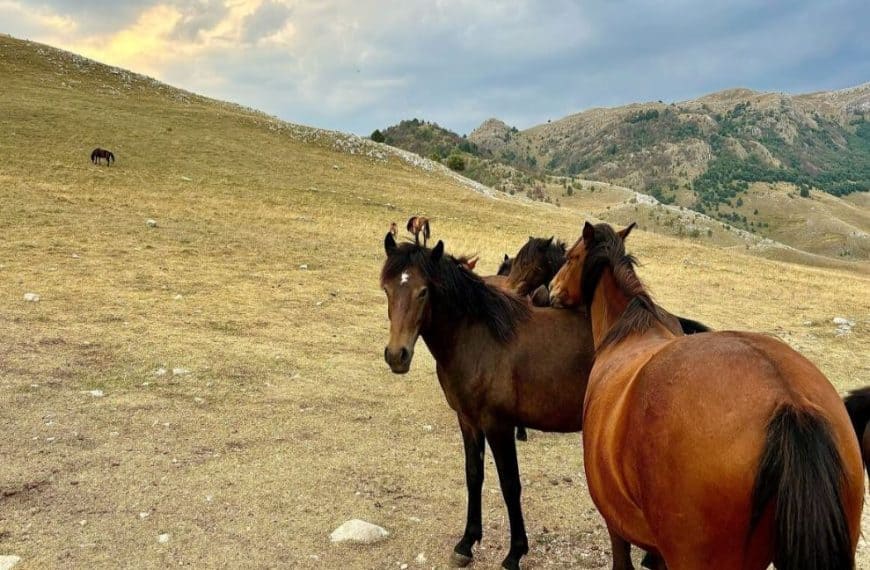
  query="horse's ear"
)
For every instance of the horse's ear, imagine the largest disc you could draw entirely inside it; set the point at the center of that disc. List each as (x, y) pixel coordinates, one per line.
(389, 243)
(472, 263)
(588, 232)
(550, 241)
(624, 233)
(437, 251)
(531, 238)
(506, 258)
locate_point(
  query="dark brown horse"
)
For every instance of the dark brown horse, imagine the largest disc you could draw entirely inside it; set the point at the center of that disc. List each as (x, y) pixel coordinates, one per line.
(500, 361)
(858, 408)
(419, 225)
(504, 268)
(100, 153)
(717, 450)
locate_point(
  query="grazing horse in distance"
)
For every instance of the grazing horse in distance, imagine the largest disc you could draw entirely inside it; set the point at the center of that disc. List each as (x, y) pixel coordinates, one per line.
(100, 153)
(858, 408)
(716, 450)
(417, 225)
(394, 229)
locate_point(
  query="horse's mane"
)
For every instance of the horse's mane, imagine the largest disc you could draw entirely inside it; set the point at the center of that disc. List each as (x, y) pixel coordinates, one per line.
(608, 251)
(527, 260)
(459, 292)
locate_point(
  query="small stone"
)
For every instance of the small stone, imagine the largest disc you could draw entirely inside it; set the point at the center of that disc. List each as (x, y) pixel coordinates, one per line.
(428, 428)
(31, 297)
(843, 321)
(94, 393)
(178, 297)
(199, 400)
(8, 561)
(83, 522)
(421, 559)
(403, 566)
(356, 530)
(303, 267)
(163, 538)
(75, 256)
(160, 372)
(151, 223)
(144, 515)
(180, 371)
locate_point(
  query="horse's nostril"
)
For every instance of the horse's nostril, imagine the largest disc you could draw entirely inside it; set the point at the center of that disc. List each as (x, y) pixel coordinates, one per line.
(387, 354)
(404, 355)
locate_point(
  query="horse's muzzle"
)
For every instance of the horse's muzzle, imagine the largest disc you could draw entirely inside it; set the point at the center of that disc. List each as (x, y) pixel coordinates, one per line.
(399, 360)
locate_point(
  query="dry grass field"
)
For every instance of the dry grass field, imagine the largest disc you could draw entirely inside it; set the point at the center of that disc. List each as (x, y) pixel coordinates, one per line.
(260, 281)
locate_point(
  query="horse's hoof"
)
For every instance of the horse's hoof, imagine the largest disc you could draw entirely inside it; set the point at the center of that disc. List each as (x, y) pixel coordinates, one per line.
(460, 560)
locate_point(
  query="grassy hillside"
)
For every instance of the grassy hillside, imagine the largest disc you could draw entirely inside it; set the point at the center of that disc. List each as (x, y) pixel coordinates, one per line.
(246, 409)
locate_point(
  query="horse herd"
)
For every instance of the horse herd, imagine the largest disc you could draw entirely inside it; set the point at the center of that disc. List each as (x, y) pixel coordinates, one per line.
(707, 449)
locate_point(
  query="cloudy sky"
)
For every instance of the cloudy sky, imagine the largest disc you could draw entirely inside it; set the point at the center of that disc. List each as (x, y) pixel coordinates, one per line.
(354, 65)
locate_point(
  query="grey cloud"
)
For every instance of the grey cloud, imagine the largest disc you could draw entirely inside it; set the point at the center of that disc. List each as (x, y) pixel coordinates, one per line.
(268, 19)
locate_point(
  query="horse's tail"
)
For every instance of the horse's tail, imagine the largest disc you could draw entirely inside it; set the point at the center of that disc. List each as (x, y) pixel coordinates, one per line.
(802, 472)
(410, 225)
(858, 407)
(692, 327)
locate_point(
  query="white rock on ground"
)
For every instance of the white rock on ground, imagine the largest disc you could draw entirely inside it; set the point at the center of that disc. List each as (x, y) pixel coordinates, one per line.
(94, 393)
(151, 223)
(8, 561)
(31, 297)
(180, 371)
(421, 559)
(356, 530)
(163, 538)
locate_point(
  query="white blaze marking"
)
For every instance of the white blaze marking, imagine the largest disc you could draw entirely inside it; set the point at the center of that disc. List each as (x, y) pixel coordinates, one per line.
(405, 277)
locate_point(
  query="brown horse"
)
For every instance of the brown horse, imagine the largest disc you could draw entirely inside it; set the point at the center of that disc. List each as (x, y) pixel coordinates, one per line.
(504, 267)
(717, 450)
(500, 361)
(858, 408)
(100, 153)
(417, 225)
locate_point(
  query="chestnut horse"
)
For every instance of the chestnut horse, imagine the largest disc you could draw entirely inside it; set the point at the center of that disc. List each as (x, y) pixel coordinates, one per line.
(417, 225)
(717, 450)
(858, 408)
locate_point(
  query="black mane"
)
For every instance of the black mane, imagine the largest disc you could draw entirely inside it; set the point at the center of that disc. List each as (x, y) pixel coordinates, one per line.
(458, 292)
(607, 250)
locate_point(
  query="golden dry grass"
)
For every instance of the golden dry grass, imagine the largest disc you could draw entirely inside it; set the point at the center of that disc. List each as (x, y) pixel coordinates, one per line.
(289, 422)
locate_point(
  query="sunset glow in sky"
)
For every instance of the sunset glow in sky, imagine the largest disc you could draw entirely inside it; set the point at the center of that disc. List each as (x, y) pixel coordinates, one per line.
(358, 65)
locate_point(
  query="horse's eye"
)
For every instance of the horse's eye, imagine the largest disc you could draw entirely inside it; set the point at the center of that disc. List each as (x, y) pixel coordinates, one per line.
(423, 292)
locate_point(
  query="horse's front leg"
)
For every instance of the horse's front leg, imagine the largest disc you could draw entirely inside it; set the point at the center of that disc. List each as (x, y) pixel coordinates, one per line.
(504, 451)
(473, 440)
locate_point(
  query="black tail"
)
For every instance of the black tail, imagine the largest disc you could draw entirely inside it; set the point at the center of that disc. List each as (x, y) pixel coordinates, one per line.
(858, 406)
(692, 327)
(802, 472)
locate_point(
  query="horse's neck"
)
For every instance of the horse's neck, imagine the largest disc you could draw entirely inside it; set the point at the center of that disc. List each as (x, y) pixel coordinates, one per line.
(445, 336)
(608, 304)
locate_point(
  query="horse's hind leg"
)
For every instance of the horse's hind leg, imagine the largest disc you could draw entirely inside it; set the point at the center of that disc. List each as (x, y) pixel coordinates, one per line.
(521, 434)
(473, 440)
(621, 550)
(504, 451)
